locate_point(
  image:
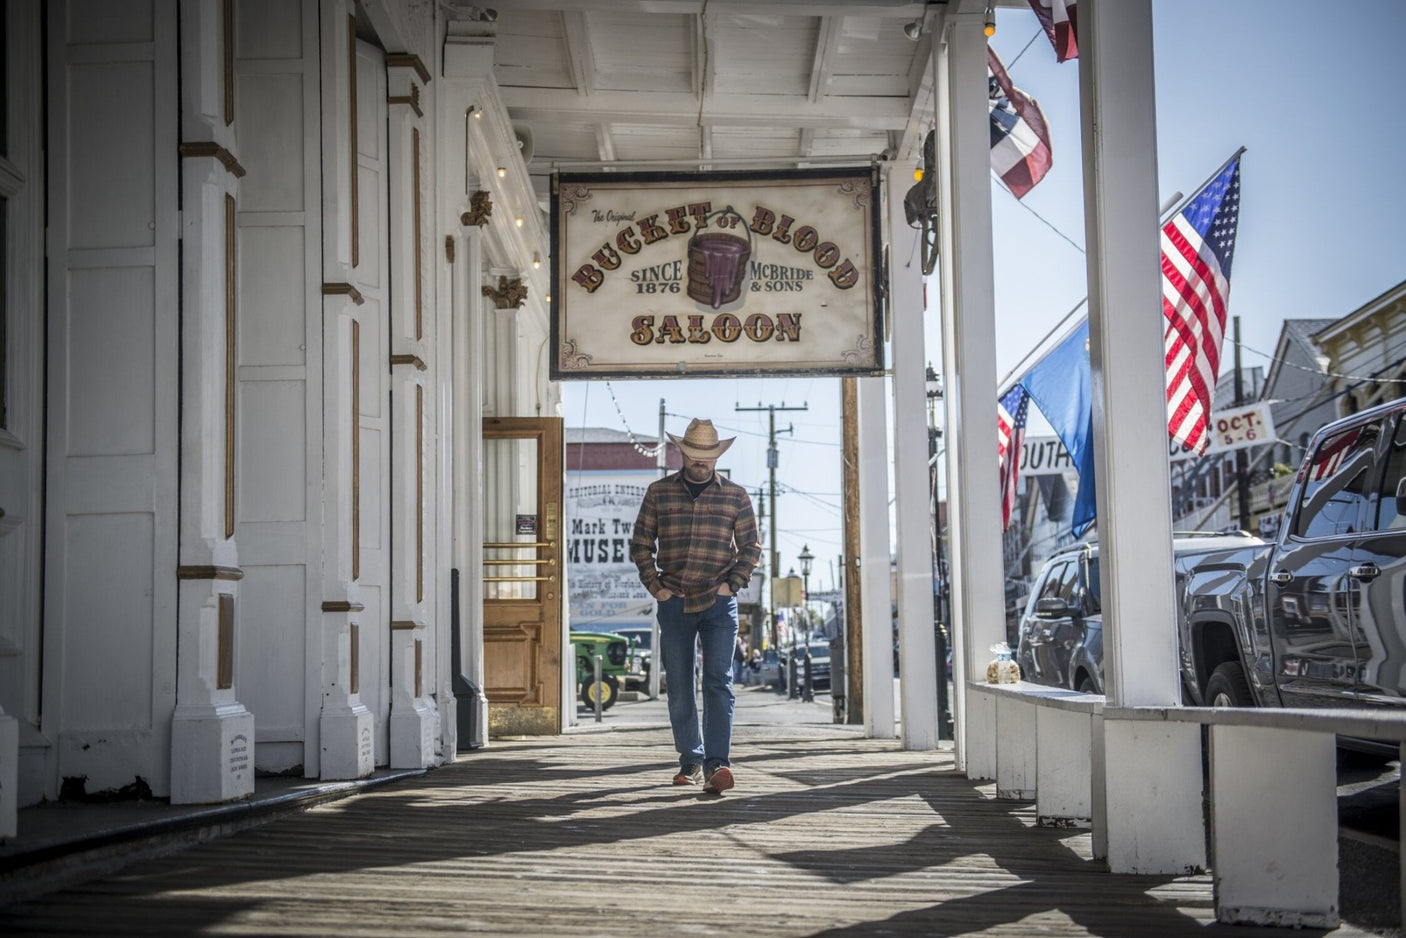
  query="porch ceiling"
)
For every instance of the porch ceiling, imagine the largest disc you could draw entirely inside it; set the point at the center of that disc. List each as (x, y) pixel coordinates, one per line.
(716, 84)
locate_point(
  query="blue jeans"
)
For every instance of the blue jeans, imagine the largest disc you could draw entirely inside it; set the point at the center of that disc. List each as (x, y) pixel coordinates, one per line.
(715, 631)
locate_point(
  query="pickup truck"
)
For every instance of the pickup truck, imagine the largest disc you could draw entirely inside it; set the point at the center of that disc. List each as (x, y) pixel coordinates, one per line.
(1316, 618)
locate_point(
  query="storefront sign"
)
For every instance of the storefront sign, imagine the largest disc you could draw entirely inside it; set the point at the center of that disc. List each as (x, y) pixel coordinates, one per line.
(1044, 456)
(1240, 427)
(715, 274)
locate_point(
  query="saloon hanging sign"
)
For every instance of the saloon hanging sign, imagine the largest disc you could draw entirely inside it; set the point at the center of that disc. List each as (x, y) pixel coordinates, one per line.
(715, 274)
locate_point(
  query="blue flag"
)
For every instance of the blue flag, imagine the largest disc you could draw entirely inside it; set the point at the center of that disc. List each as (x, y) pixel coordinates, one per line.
(1061, 386)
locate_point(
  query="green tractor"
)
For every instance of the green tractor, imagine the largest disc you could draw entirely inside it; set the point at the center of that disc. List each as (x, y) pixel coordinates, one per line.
(618, 658)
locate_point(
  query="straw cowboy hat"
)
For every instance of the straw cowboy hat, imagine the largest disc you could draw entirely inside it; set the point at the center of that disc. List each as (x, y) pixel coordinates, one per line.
(700, 441)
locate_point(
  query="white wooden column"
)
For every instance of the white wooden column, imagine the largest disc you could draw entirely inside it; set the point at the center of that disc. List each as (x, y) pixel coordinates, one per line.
(22, 436)
(969, 380)
(414, 719)
(917, 662)
(874, 561)
(1141, 833)
(462, 92)
(346, 725)
(212, 733)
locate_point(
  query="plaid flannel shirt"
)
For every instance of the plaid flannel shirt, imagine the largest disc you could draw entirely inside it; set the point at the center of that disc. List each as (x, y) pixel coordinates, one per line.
(693, 546)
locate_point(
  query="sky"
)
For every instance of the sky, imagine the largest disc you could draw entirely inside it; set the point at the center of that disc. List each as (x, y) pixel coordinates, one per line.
(1309, 89)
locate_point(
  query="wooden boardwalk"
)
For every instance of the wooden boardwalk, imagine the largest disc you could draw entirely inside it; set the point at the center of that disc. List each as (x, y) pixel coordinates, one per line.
(826, 834)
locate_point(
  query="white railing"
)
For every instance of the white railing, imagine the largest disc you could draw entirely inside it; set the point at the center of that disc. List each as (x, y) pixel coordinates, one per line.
(1271, 790)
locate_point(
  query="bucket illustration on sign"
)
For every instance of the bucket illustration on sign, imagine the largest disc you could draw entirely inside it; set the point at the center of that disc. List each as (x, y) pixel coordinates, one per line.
(717, 263)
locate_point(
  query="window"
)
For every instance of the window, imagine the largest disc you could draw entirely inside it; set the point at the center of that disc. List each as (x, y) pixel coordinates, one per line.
(1335, 480)
(1093, 601)
(1389, 517)
(1053, 580)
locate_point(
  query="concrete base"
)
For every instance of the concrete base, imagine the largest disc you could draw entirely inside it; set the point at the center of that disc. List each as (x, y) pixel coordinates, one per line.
(348, 743)
(9, 776)
(1267, 871)
(414, 733)
(212, 755)
(1015, 748)
(1152, 813)
(1063, 778)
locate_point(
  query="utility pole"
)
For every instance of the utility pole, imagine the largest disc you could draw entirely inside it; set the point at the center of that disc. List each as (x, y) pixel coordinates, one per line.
(772, 460)
(1242, 472)
(849, 563)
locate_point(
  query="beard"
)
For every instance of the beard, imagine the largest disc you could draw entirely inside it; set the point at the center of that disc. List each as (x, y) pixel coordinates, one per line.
(698, 472)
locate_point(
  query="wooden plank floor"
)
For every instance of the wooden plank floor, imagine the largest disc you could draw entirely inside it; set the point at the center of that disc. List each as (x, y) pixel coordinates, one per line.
(826, 834)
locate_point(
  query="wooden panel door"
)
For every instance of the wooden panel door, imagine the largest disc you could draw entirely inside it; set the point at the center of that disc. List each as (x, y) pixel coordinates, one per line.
(522, 484)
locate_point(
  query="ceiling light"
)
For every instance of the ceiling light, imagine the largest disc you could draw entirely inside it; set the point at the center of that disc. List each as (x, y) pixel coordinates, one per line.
(913, 30)
(518, 221)
(502, 171)
(536, 261)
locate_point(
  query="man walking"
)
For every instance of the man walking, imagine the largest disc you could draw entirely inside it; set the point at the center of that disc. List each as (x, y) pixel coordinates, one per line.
(695, 543)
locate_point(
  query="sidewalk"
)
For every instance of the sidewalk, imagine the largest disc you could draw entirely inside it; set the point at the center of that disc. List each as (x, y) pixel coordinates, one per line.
(61, 842)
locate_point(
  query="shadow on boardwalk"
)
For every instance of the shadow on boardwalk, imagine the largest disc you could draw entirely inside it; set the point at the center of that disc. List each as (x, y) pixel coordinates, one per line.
(827, 834)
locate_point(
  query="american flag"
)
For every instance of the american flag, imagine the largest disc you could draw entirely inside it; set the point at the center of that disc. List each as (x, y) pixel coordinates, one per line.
(1011, 411)
(1059, 21)
(1020, 141)
(1197, 247)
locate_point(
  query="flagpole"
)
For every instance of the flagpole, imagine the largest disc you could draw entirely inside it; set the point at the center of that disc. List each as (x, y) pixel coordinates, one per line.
(1002, 387)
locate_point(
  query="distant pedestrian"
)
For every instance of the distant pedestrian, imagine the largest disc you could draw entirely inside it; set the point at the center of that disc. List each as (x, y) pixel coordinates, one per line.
(739, 660)
(695, 543)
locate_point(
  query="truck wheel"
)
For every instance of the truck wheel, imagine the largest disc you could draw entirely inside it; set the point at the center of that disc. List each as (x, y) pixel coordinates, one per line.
(1228, 687)
(610, 690)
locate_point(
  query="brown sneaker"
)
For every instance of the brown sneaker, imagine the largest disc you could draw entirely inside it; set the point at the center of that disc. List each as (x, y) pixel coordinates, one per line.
(689, 775)
(719, 780)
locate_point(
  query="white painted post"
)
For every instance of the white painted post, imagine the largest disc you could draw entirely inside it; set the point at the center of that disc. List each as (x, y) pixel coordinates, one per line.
(346, 747)
(1016, 748)
(467, 70)
(918, 670)
(9, 776)
(414, 720)
(212, 734)
(1063, 789)
(969, 373)
(1274, 834)
(1129, 422)
(874, 562)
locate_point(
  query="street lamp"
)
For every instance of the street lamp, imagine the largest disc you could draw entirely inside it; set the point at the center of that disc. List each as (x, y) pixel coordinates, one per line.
(806, 558)
(940, 608)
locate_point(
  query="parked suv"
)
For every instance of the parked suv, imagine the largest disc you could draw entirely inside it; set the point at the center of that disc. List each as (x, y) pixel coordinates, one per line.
(1314, 619)
(1060, 633)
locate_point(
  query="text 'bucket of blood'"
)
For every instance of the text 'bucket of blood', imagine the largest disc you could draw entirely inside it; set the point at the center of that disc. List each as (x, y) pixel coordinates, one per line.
(717, 263)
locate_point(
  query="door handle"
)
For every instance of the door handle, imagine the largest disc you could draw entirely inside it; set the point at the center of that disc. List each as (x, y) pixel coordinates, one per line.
(1366, 571)
(1281, 577)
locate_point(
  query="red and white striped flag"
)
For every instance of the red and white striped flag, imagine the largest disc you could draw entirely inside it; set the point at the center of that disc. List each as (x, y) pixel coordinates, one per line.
(1011, 412)
(1020, 139)
(1058, 18)
(1198, 245)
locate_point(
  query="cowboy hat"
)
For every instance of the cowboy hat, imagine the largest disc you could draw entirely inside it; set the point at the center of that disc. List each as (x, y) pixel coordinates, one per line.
(700, 441)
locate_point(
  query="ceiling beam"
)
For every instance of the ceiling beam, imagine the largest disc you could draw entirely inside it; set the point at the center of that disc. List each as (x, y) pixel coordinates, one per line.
(826, 46)
(893, 8)
(605, 143)
(578, 52)
(729, 110)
